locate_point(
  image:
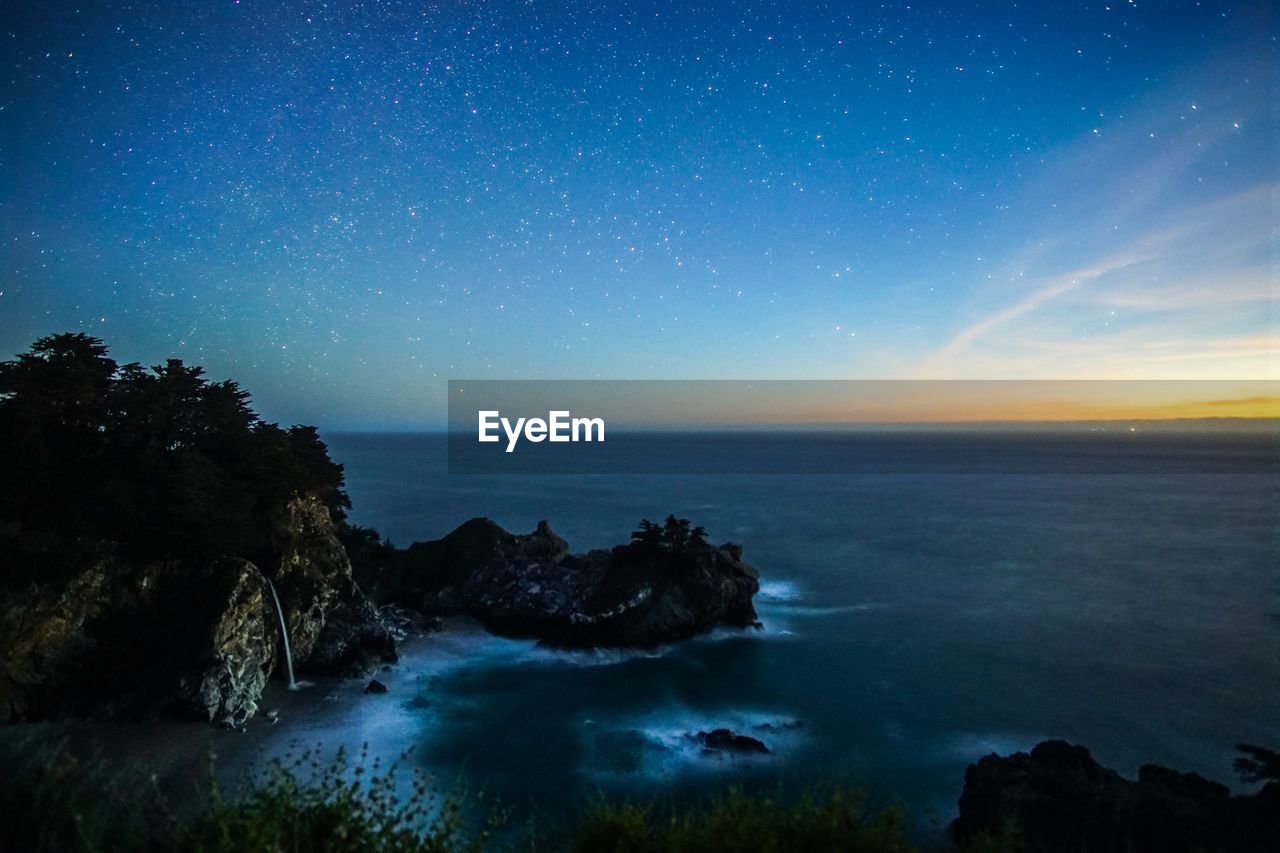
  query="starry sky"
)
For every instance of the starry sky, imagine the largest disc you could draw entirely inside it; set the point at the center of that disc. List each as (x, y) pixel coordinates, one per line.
(342, 205)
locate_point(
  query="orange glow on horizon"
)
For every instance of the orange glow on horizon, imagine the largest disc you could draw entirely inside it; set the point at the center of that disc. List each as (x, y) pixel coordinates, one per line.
(1252, 408)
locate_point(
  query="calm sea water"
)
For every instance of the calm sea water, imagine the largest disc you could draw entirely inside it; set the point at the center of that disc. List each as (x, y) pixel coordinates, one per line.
(913, 623)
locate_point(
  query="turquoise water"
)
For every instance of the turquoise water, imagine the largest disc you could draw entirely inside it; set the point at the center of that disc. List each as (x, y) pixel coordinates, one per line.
(912, 624)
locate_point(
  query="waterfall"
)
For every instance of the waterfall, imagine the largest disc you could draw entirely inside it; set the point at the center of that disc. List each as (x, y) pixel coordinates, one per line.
(284, 634)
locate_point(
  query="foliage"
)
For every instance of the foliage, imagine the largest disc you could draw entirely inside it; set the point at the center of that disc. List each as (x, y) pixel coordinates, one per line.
(1257, 764)
(1007, 838)
(669, 550)
(338, 811)
(674, 534)
(737, 821)
(53, 800)
(96, 457)
(371, 555)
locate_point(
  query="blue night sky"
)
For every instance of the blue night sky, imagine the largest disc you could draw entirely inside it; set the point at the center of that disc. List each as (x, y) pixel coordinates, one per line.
(343, 205)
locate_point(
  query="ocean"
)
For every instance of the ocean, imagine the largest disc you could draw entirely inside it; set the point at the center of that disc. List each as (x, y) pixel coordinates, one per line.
(913, 622)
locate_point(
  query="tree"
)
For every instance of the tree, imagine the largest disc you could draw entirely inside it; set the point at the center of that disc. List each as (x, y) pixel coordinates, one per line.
(1257, 764)
(61, 384)
(319, 474)
(673, 535)
(676, 532)
(156, 463)
(648, 534)
(53, 407)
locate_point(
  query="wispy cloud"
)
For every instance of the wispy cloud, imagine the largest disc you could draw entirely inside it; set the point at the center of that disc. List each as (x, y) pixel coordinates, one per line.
(1145, 243)
(1207, 262)
(1057, 287)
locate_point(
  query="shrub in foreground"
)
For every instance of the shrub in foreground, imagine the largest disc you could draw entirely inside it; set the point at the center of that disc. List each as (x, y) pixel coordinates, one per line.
(736, 821)
(343, 809)
(52, 801)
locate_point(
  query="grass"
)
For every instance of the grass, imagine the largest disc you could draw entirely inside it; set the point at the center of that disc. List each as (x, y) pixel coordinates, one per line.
(342, 809)
(53, 801)
(736, 821)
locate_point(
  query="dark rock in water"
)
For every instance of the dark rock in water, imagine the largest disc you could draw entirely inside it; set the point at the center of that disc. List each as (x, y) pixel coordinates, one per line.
(726, 740)
(375, 686)
(1063, 800)
(639, 594)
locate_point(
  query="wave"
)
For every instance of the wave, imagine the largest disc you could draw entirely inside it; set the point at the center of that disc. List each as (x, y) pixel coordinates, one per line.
(810, 610)
(665, 743)
(771, 591)
(549, 656)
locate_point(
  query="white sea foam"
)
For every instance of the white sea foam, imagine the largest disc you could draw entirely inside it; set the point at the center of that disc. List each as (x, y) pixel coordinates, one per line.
(807, 610)
(665, 743)
(771, 591)
(594, 657)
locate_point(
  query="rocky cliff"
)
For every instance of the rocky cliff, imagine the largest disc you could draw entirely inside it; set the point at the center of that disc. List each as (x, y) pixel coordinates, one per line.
(201, 636)
(640, 594)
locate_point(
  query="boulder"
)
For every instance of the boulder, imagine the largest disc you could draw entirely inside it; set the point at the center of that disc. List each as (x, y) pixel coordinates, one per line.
(235, 644)
(356, 639)
(726, 740)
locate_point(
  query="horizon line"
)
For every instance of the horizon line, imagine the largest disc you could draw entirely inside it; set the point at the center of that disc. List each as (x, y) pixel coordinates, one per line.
(763, 426)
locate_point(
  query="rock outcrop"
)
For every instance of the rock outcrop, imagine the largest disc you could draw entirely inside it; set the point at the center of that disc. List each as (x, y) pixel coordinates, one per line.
(43, 638)
(727, 740)
(198, 636)
(203, 636)
(356, 639)
(234, 644)
(313, 574)
(639, 594)
(1061, 799)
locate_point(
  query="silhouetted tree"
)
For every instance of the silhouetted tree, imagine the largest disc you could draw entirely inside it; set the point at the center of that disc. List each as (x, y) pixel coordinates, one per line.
(1257, 764)
(673, 535)
(648, 534)
(676, 532)
(320, 475)
(96, 458)
(53, 404)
